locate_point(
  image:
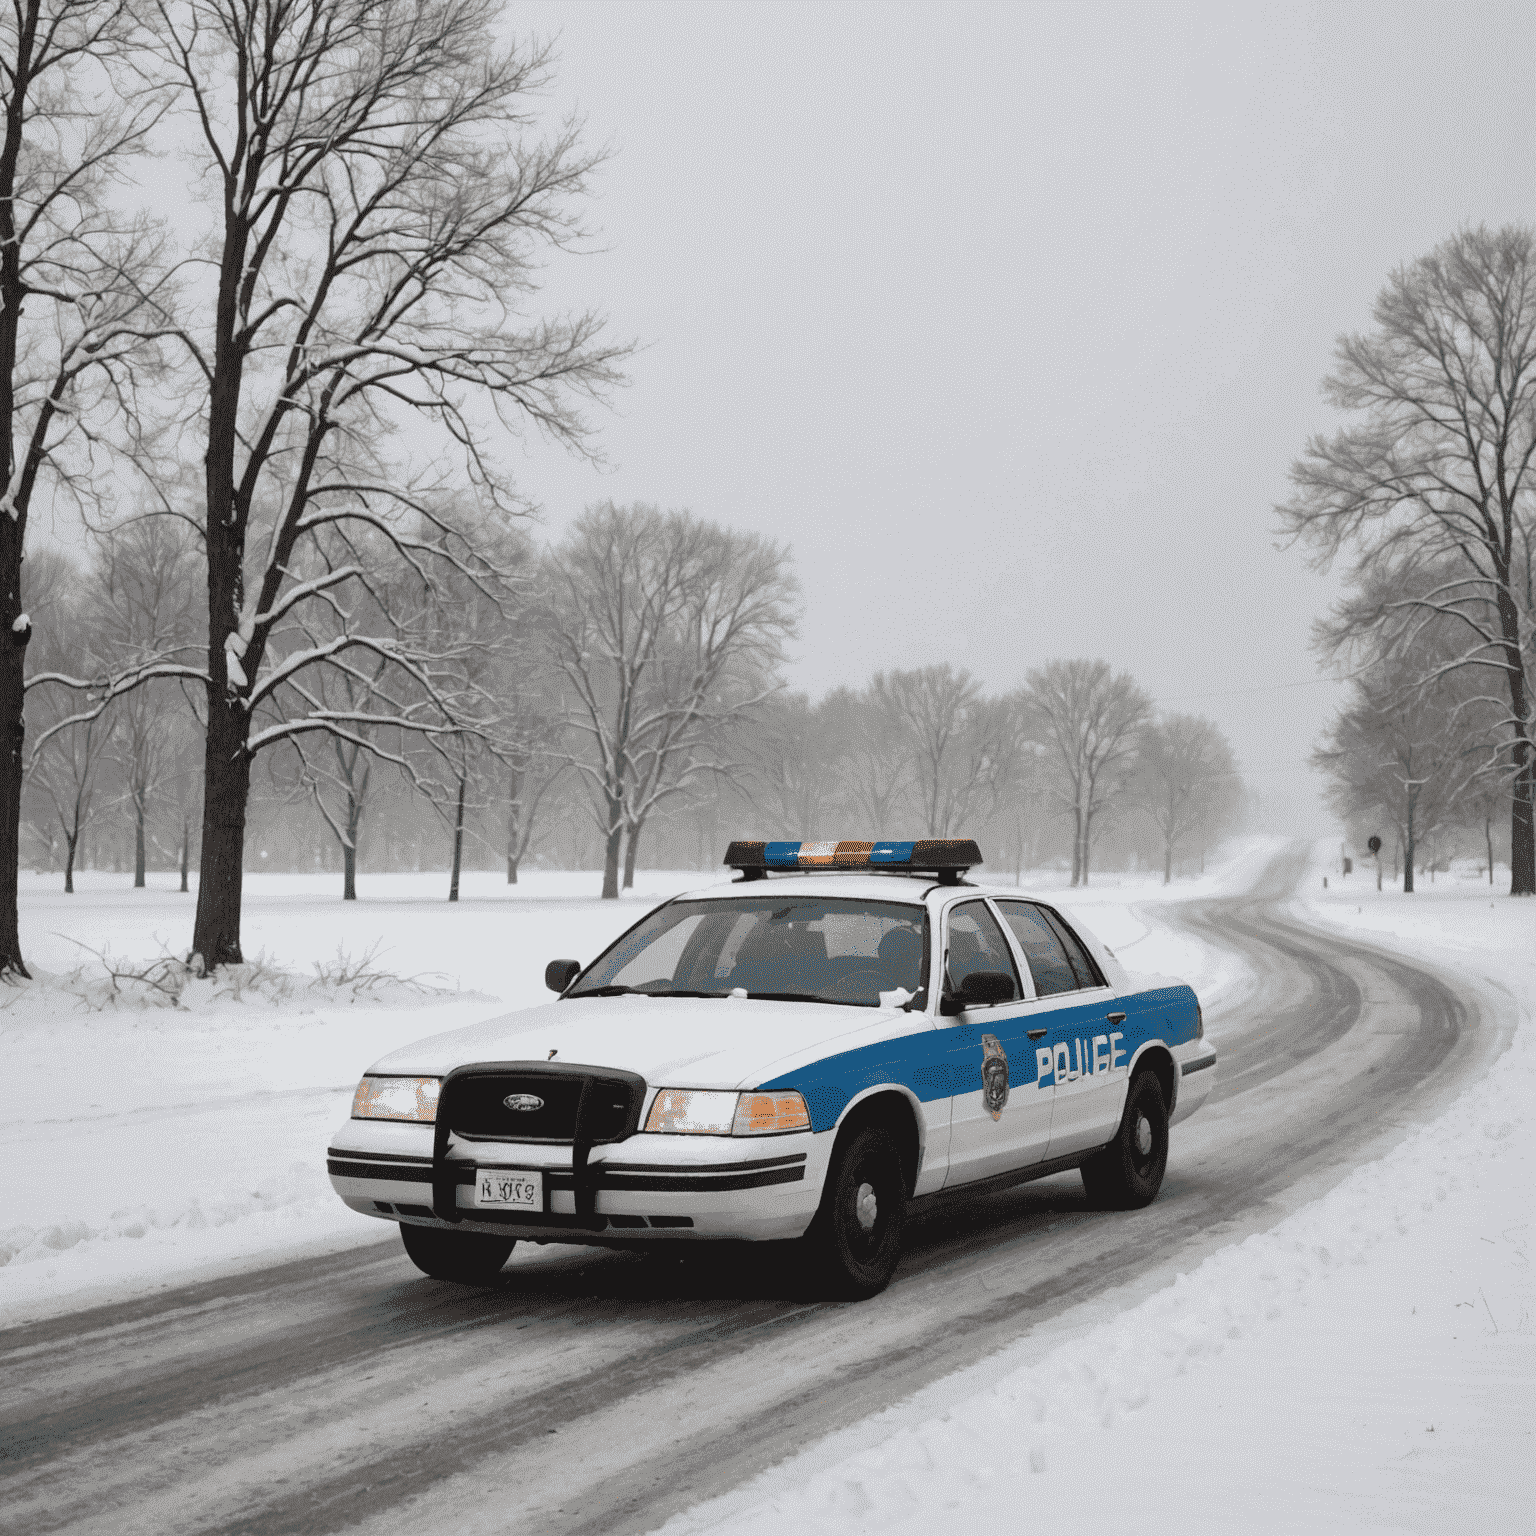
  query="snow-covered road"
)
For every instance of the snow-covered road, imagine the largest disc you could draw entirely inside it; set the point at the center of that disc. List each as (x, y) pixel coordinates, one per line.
(609, 1391)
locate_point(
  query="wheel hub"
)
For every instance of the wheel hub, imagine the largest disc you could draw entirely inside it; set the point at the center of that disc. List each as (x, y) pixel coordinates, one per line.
(1143, 1136)
(866, 1207)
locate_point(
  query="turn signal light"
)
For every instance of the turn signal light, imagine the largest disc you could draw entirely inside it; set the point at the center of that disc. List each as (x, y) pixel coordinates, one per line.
(767, 1114)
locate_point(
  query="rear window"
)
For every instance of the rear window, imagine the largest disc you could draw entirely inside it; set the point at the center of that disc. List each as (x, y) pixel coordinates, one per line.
(1043, 948)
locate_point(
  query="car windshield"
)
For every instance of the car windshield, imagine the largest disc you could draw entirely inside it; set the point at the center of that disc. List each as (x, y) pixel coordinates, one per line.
(820, 949)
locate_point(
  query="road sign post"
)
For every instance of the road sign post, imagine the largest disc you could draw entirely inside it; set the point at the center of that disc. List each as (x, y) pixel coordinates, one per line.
(1374, 844)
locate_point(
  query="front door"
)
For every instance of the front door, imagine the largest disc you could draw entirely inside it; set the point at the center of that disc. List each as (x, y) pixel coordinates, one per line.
(999, 1119)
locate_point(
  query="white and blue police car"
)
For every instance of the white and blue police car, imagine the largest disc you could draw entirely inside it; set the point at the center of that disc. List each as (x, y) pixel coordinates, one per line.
(844, 1031)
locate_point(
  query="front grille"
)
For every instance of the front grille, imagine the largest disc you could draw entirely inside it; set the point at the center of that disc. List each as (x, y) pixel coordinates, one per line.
(472, 1103)
(581, 1107)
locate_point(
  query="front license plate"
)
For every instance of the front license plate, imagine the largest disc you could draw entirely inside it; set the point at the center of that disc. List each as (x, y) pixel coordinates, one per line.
(509, 1188)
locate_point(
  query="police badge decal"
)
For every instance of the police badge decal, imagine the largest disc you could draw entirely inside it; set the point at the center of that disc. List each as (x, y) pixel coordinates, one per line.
(994, 1075)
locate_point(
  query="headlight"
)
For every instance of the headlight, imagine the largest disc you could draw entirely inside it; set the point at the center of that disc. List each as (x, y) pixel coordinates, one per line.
(699, 1112)
(692, 1112)
(397, 1098)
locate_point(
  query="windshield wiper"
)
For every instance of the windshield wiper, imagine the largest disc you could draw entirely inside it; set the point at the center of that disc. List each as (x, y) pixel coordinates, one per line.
(616, 990)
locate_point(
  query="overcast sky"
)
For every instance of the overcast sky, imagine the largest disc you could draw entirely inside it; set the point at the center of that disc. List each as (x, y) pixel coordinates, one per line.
(1010, 319)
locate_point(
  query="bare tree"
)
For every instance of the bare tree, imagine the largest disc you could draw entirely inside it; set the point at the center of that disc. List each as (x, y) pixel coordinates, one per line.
(665, 627)
(70, 745)
(791, 777)
(1092, 718)
(380, 205)
(1484, 801)
(1438, 475)
(531, 735)
(1186, 780)
(337, 770)
(76, 313)
(143, 600)
(67, 771)
(534, 768)
(958, 745)
(1396, 751)
(1025, 791)
(874, 766)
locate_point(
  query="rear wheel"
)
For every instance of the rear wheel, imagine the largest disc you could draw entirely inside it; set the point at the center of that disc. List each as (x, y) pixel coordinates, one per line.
(1128, 1173)
(854, 1243)
(467, 1258)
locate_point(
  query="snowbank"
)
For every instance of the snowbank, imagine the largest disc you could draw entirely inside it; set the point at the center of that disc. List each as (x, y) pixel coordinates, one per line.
(171, 1130)
(174, 1129)
(1371, 1361)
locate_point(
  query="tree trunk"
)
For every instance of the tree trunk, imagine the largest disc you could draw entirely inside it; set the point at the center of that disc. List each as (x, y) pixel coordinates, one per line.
(138, 842)
(13, 730)
(1488, 838)
(1522, 826)
(458, 844)
(226, 790)
(1077, 844)
(1083, 859)
(631, 843)
(186, 838)
(513, 827)
(1408, 852)
(69, 863)
(13, 641)
(349, 850)
(611, 857)
(1167, 863)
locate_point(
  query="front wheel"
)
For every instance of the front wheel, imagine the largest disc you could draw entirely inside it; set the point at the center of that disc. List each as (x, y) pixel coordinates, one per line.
(854, 1243)
(466, 1258)
(1128, 1173)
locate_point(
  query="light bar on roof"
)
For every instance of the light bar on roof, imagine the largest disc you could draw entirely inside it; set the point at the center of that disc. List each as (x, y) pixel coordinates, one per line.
(942, 856)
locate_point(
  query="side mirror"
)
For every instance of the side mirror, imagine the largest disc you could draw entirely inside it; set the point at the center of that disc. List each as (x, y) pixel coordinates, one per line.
(981, 989)
(559, 974)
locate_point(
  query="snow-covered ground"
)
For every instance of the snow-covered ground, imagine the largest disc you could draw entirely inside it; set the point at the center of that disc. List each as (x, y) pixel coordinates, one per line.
(1368, 1364)
(145, 1145)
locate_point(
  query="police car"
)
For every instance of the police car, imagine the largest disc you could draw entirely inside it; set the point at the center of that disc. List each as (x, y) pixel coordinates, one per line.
(845, 1032)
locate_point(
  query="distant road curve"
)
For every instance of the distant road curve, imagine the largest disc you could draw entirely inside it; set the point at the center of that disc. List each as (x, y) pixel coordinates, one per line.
(596, 1392)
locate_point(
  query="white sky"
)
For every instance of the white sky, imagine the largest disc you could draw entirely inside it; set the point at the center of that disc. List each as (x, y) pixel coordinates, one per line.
(1010, 318)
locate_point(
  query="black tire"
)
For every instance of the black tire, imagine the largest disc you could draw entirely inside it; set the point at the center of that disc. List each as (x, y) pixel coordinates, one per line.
(854, 1243)
(466, 1258)
(1128, 1173)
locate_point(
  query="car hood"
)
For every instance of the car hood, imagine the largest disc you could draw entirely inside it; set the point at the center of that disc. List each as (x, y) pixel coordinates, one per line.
(672, 1042)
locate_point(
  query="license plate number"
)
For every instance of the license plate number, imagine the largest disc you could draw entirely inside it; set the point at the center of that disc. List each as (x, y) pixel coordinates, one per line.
(509, 1188)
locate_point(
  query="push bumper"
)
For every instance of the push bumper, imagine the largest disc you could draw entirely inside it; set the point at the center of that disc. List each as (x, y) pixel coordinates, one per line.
(710, 1187)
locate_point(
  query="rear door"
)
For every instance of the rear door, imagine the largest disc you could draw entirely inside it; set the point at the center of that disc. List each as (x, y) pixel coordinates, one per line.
(999, 1120)
(1075, 1029)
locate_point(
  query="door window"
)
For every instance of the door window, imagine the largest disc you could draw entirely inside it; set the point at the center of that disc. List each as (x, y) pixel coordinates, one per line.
(976, 943)
(1042, 946)
(1088, 973)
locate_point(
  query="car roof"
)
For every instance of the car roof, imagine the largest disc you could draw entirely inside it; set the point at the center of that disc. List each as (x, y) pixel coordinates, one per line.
(903, 888)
